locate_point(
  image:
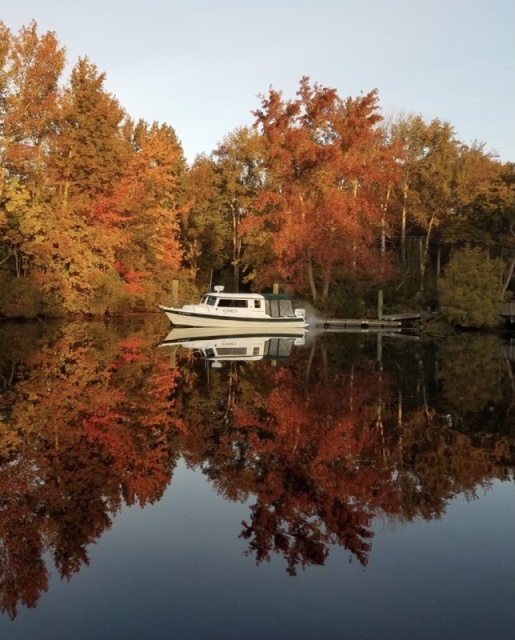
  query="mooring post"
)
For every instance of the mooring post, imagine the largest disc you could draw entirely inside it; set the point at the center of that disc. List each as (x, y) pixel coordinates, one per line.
(380, 304)
(175, 293)
(275, 288)
(172, 356)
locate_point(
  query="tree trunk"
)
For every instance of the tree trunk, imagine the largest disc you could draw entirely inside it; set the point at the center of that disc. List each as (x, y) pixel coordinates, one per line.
(384, 208)
(236, 248)
(354, 245)
(404, 215)
(424, 251)
(326, 282)
(311, 277)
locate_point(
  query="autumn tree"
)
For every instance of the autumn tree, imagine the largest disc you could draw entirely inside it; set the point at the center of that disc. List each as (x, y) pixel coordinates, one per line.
(327, 174)
(89, 202)
(30, 70)
(61, 148)
(144, 210)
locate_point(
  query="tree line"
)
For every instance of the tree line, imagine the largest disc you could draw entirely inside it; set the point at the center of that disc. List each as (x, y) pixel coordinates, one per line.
(99, 213)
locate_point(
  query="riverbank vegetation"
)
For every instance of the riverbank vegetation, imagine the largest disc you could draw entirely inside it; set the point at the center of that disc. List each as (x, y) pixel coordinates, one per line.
(99, 213)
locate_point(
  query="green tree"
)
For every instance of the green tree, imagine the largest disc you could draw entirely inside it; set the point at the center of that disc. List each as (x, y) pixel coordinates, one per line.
(433, 184)
(223, 191)
(469, 290)
(238, 167)
(206, 233)
(484, 215)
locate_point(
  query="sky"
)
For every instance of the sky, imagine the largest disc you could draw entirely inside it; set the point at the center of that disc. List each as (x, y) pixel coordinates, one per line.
(201, 65)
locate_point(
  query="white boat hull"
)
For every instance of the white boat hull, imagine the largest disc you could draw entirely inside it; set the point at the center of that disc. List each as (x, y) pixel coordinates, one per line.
(191, 319)
(179, 335)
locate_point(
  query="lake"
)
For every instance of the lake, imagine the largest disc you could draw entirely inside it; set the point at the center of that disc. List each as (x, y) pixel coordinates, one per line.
(342, 485)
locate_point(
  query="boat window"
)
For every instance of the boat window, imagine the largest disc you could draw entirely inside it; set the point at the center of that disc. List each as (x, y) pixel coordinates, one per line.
(257, 304)
(232, 302)
(232, 351)
(211, 300)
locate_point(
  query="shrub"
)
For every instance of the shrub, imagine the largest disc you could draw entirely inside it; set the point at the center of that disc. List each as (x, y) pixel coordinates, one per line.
(20, 297)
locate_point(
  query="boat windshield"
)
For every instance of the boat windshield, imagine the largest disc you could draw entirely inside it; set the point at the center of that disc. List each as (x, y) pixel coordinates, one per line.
(211, 300)
(232, 302)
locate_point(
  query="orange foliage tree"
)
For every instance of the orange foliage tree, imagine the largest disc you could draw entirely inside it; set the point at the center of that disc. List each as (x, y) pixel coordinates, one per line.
(328, 172)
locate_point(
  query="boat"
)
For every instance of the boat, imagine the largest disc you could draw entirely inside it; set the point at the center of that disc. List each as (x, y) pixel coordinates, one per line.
(218, 345)
(219, 309)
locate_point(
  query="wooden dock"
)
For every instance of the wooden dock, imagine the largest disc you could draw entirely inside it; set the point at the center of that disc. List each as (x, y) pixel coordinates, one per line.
(508, 311)
(364, 323)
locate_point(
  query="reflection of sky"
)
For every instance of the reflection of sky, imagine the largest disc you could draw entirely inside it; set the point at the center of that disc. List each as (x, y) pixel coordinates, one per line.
(177, 570)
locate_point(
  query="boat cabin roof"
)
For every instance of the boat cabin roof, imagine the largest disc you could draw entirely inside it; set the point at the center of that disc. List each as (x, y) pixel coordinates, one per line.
(248, 296)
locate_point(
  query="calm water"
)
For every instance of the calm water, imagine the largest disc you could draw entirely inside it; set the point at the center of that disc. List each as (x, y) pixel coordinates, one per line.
(353, 486)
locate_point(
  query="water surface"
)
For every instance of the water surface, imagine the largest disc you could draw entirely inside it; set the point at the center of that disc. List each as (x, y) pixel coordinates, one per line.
(354, 486)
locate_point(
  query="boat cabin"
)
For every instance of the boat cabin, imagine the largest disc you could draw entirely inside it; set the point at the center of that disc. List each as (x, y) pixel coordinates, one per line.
(275, 305)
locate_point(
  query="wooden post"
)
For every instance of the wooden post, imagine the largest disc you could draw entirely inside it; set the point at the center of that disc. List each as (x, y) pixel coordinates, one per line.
(379, 347)
(175, 293)
(380, 304)
(276, 287)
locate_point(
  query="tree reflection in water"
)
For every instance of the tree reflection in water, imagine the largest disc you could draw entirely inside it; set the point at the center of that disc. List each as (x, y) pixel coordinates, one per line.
(94, 417)
(86, 425)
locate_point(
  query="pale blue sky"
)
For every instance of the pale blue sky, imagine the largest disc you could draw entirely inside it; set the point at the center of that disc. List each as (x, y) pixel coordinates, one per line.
(198, 65)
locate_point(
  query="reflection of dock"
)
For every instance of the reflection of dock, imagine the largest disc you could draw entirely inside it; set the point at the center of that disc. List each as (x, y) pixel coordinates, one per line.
(508, 311)
(508, 350)
(385, 322)
(333, 328)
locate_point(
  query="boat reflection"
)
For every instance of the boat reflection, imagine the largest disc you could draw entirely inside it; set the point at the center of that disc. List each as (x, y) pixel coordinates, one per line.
(218, 345)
